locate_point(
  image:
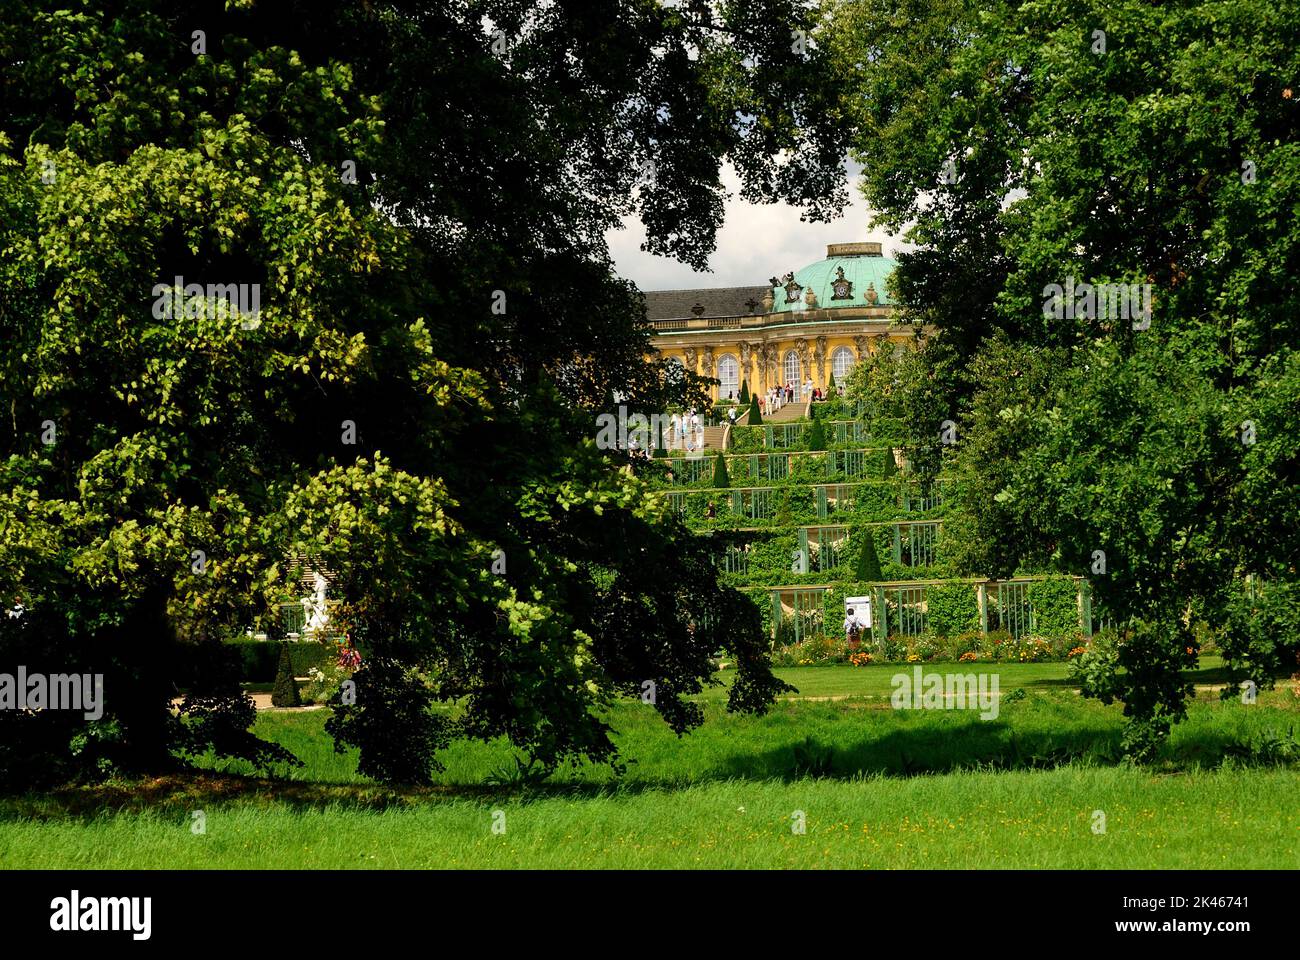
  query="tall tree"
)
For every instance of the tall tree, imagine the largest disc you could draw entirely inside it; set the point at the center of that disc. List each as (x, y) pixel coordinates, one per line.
(1038, 156)
(417, 194)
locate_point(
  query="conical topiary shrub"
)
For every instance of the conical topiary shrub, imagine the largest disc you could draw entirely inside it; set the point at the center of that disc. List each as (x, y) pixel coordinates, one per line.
(285, 693)
(817, 435)
(868, 562)
(890, 464)
(755, 418)
(830, 385)
(744, 393)
(721, 480)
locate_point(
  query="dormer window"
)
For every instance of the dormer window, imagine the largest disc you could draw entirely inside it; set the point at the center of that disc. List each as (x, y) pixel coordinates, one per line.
(842, 288)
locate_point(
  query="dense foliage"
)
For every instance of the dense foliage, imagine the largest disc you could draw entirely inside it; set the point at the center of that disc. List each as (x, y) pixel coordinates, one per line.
(418, 192)
(1026, 148)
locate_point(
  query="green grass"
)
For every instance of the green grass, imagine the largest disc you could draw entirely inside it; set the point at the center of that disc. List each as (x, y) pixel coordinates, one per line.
(1016, 819)
(874, 680)
(891, 789)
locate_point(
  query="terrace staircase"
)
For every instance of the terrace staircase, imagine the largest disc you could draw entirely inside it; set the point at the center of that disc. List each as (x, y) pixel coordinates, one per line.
(791, 411)
(715, 437)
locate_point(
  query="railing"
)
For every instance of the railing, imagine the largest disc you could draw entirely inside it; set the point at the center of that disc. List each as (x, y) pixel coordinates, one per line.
(801, 618)
(830, 499)
(735, 559)
(1013, 611)
(901, 607)
(754, 503)
(777, 464)
(916, 542)
(295, 621)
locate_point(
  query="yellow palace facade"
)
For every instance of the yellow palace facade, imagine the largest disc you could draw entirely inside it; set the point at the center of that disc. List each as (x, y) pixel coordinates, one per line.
(803, 326)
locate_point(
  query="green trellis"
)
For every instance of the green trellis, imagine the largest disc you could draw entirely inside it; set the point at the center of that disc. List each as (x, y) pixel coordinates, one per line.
(823, 548)
(754, 503)
(803, 620)
(778, 435)
(735, 558)
(1013, 611)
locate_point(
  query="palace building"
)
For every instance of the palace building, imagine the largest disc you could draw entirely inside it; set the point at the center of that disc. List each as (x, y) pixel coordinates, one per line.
(806, 325)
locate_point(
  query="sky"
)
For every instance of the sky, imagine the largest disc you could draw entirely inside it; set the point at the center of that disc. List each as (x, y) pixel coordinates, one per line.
(755, 242)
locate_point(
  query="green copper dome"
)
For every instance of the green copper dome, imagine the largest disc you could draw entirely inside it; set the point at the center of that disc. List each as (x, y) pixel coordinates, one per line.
(852, 275)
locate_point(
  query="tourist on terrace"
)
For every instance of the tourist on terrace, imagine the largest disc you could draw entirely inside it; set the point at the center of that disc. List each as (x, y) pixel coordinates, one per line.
(852, 627)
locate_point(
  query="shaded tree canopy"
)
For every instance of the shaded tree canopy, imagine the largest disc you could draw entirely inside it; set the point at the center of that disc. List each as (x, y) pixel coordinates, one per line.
(419, 194)
(1027, 150)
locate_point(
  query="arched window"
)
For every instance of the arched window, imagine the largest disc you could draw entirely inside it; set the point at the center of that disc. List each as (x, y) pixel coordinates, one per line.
(792, 375)
(729, 377)
(841, 364)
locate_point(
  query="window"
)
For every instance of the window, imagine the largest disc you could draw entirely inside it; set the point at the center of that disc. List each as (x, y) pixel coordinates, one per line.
(729, 375)
(791, 373)
(841, 364)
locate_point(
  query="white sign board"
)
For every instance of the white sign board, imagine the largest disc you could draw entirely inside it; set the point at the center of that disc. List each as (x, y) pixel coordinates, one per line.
(860, 606)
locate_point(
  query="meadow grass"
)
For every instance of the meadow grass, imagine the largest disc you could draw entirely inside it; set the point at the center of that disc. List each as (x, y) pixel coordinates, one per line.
(878, 788)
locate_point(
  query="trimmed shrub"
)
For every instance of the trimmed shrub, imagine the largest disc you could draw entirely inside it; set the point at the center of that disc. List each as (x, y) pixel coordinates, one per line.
(258, 659)
(721, 480)
(951, 609)
(817, 435)
(1055, 604)
(868, 568)
(744, 393)
(755, 417)
(876, 501)
(889, 466)
(285, 693)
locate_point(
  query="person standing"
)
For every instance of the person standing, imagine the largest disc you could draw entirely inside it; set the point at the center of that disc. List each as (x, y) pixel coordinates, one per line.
(852, 628)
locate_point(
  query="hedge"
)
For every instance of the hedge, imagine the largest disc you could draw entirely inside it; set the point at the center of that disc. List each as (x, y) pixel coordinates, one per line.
(258, 658)
(285, 693)
(1055, 603)
(952, 609)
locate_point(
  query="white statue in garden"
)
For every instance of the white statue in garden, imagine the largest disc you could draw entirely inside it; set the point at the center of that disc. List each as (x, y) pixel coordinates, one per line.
(314, 607)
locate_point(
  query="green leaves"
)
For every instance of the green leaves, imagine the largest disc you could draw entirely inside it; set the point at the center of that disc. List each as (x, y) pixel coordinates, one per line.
(1089, 444)
(186, 426)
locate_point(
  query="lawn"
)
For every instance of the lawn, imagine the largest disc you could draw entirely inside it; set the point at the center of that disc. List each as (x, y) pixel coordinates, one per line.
(876, 787)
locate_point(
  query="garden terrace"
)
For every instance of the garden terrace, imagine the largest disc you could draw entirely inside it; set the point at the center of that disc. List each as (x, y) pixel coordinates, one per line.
(1020, 607)
(802, 505)
(755, 554)
(807, 466)
(794, 435)
(797, 544)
